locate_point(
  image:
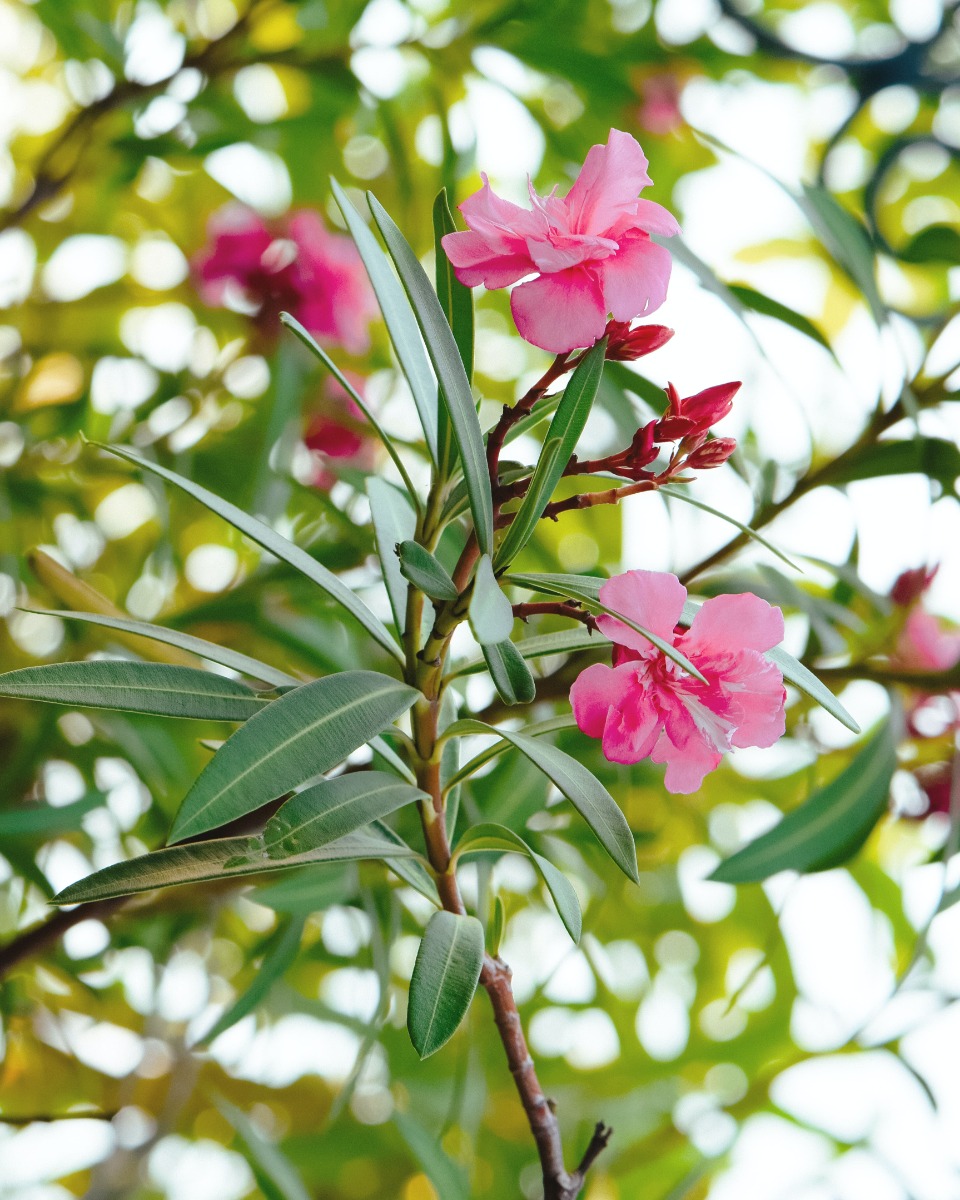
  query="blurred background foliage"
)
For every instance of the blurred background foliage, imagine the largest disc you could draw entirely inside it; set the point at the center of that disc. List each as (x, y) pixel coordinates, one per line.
(124, 127)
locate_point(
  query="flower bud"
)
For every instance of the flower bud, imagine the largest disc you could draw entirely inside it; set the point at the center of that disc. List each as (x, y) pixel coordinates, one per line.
(708, 407)
(910, 585)
(711, 454)
(626, 344)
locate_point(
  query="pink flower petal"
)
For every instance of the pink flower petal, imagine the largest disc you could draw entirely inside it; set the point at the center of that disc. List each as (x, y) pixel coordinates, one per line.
(635, 279)
(474, 262)
(654, 599)
(631, 731)
(759, 697)
(560, 312)
(733, 622)
(654, 218)
(925, 645)
(501, 224)
(595, 691)
(608, 184)
(686, 768)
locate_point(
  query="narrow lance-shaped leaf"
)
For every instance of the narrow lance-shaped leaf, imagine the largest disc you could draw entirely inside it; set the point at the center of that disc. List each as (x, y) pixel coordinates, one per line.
(156, 688)
(459, 728)
(279, 954)
(769, 307)
(827, 829)
(276, 1177)
(272, 541)
(510, 674)
(184, 641)
(565, 641)
(584, 791)
(220, 858)
(394, 520)
(454, 385)
(456, 300)
(425, 571)
(687, 498)
(310, 342)
(296, 738)
(490, 612)
(559, 445)
(444, 979)
(490, 838)
(330, 810)
(401, 324)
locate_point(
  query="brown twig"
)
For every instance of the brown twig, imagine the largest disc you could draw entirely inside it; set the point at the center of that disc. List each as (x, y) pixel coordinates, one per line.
(554, 608)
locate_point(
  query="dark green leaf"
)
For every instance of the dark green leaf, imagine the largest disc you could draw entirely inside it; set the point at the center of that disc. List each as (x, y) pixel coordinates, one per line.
(393, 521)
(847, 241)
(296, 738)
(185, 641)
(425, 571)
(220, 858)
(454, 385)
(136, 687)
(558, 447)
(445, 977)
(455, 298)
(827, 829)
(510, 674)
(490, 613)
(934, 457)
(487, 838)
(768, 307)
(400, 322)
(278, 546)
(330, 810)
(586, 793)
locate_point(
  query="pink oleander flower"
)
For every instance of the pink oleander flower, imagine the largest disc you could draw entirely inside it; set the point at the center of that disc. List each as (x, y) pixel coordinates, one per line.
(925, 645)
(591, 250)
(647, 706)
(295, 265)
(659, 112)
(336, 432)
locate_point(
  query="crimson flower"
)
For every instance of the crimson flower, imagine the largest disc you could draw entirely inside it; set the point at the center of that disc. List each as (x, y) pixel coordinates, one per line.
(335, 432)
(591, 250)
(646, 706)
(295, 265)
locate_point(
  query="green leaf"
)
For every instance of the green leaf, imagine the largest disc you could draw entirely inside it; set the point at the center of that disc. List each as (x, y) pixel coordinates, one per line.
(425, 571)
(586, 793)
(447, 1177)
(220, 858)
(827, 829)
(586, 591)
(454, 385)
(408, 865)
(275, 1176)
(768, 307)
(272, 541)
(445, 977)
(935, 244)
(307, 890)
(682, 494)
(937, 458)
(299, 736)
(489, 838)
(330, 810)
(394, 520)
(281, 950)
(559, 445)
(157, 688)
(31, 819)
(398, 317)
(566, 641)
(185, 641)
(490, 612)
(312, 345)
(847, 241)
(510, 674)
(456, 299)
(553, 725)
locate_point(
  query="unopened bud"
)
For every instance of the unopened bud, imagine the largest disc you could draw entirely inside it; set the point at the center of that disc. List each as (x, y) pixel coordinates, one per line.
(711, 454)
(910, 585)
(708, 407)
(626, 344)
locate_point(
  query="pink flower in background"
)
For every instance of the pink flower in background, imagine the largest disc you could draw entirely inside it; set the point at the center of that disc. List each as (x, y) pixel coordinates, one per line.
(659, 111)
(925, 645)
(336, 433)
(647, 706)
(591, 250)
(295, 265)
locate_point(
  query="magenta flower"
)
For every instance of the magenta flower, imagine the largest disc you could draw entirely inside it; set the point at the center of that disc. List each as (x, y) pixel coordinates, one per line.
(591, 250)
(925, 645)
(647, 706)
(295, 265)
(336, 433)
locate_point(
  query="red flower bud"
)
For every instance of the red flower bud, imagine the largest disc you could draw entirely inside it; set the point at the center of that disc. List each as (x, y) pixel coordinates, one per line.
(711, 454)
(626, 344)
(695, 414)
(910, 585)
